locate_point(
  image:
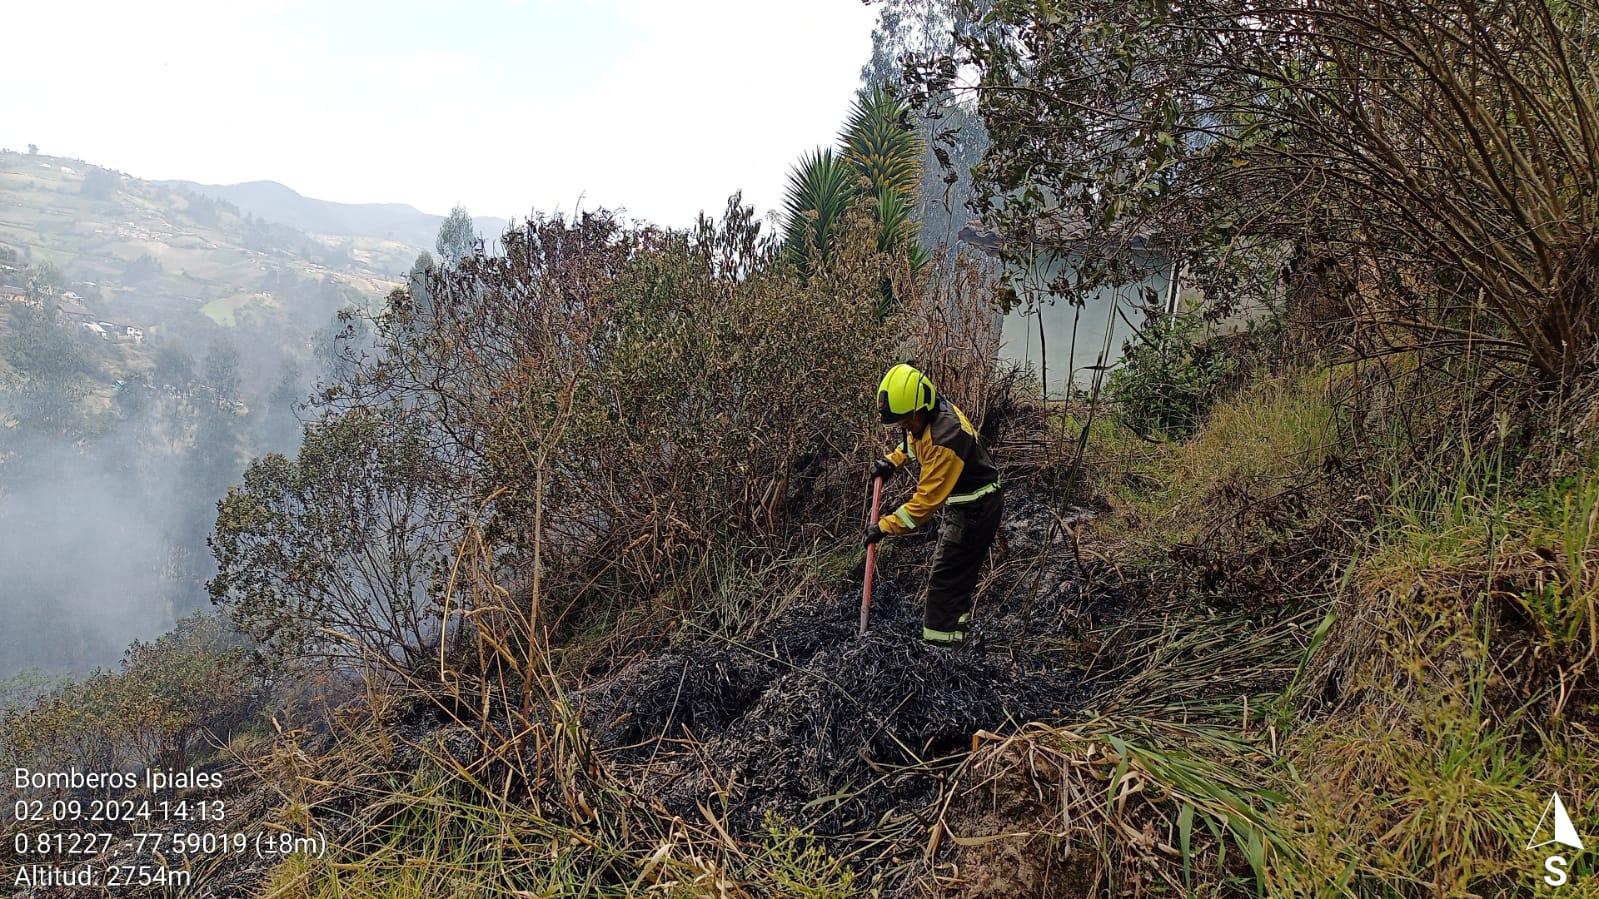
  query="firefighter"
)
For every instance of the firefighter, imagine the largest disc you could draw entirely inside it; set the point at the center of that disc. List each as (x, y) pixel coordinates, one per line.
(956, 476)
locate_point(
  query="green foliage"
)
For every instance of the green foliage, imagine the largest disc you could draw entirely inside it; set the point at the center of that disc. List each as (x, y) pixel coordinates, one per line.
(172, 697)
(173, 365)
(56, 363)
(219, 373)
(877, 138)
(39, 347)
(1454, 165)
(908, 34)
(202, 209)
(100, 184)
(142, 270)
(792, 862)
(1432, 709)
(897, 227)
(28, 687)
(192, 684)
(78, 724)
(880, 160)
(334, 552)
(820, 191)
(457, 237)
(1469, 609)
(416, 280)
(1166, 383)
(643, 414)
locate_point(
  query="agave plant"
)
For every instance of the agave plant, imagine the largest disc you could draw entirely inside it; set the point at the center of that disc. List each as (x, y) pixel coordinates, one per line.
(820, 190)
(880, 155)
(898, 226)
(879, 140)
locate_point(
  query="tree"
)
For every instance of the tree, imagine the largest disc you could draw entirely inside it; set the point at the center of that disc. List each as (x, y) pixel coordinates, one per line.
(280, 423)
(215, 456)
(457, 237)
(416, 283)
(55, 365)
(907, 34)
(33, 149)
(220, 374)
(142, 270)
(100, 184)
(45, 280)
(339, 347)
(204, 210)
(337, 553)
(173, 367)
(1440, 156)
(258, 234)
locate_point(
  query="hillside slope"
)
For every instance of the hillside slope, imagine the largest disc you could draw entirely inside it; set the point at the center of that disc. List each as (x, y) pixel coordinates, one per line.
(149, 254)
(387, 221)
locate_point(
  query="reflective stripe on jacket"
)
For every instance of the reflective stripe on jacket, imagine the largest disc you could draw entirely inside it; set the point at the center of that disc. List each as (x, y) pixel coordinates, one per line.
(955, 468)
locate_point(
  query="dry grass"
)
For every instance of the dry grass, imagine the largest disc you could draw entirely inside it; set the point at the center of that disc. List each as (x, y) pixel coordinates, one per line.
(1120, 805)
(508, 795)
(1391, 728)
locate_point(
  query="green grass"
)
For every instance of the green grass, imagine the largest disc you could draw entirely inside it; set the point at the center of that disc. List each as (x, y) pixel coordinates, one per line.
(221, 312)
(1426, 710)
(1469, 606)
(1273, 436)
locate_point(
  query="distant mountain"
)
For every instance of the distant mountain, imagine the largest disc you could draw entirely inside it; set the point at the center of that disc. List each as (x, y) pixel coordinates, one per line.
(168, 257)
(387, 221)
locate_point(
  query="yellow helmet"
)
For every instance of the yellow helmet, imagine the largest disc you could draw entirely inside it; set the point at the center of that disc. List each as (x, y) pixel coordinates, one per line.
(904, 390)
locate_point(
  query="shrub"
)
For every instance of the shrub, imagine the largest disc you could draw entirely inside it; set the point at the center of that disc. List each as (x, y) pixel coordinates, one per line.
(192, 685)
(632, 415)
(1166, 382)
(334, 553)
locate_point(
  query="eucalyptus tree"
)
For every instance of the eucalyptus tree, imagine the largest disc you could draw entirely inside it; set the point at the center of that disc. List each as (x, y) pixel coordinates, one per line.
(457, 237)
(1437, 160)
(907, 34)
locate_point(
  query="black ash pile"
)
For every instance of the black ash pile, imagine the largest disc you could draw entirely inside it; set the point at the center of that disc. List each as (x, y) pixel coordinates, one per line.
(818, 724)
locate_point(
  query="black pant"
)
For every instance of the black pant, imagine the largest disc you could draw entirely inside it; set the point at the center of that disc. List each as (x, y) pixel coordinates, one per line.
(964, 537)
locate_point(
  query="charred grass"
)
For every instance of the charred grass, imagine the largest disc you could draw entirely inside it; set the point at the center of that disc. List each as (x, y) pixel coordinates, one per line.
(786, 756)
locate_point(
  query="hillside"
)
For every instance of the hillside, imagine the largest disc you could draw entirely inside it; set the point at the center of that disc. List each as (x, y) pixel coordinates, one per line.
(152, 341)
(597, 567)
(157, 255)
(387, 221)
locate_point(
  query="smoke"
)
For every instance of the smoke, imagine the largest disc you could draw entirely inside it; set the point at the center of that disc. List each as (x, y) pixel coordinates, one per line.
(88, 562)
(105, 510)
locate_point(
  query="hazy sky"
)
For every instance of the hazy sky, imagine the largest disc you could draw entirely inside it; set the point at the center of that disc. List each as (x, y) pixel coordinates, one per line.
(504, 105)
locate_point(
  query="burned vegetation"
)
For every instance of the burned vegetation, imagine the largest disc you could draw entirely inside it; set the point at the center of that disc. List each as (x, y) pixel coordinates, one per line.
(709, 748)
(586, 515)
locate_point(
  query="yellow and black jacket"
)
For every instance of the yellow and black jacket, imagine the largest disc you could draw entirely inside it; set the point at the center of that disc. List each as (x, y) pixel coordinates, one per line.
(955, 468)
